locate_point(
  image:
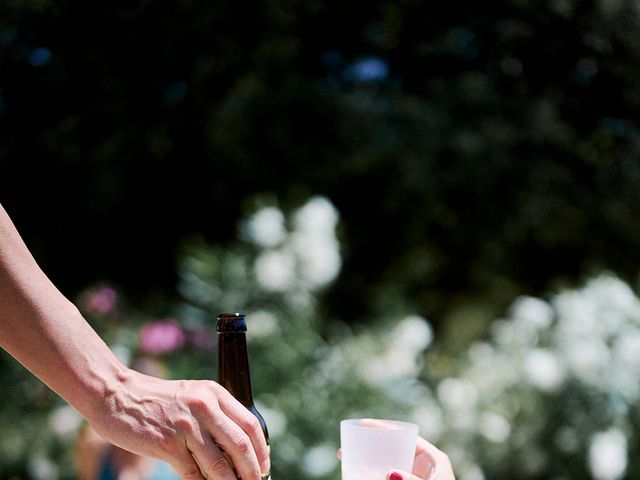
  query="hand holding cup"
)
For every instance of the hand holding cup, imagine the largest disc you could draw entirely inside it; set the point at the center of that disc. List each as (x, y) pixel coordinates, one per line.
(368, 453)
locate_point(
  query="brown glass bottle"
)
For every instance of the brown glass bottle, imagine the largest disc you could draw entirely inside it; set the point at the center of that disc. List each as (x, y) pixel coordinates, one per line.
(233, 363)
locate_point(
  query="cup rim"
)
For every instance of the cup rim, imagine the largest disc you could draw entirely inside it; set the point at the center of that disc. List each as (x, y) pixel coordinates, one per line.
(399, 424)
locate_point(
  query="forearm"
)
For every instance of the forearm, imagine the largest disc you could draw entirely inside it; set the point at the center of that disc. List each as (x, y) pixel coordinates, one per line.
(46, 333)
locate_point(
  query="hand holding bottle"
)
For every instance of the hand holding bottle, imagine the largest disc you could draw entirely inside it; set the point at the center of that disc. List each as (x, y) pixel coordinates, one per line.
(181, 422)
(186, 423)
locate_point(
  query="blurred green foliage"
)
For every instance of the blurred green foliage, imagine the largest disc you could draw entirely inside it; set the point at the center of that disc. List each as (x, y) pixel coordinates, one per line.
(551, 392)
(475, 151)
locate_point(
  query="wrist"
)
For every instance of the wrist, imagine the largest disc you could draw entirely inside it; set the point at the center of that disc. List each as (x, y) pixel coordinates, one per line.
(105, 383)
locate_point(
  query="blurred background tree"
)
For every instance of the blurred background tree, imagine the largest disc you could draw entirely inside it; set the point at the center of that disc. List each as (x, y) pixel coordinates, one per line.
(475, 152)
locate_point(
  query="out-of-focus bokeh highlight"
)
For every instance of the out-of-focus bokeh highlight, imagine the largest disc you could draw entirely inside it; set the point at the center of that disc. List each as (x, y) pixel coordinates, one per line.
(428, 212)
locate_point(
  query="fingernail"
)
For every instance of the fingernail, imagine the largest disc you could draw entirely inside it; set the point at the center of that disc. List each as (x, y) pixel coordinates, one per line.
(395, 476)
(266, 468)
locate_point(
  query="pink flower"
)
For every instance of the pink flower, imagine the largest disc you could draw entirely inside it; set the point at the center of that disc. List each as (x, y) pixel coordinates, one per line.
(100, 301)
(161, 336)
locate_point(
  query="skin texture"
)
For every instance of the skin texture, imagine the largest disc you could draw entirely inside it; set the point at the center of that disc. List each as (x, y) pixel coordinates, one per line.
(182, 422)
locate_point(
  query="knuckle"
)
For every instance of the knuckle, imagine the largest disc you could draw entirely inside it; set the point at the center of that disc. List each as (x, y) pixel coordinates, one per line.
(204, 400)
(221, 394)
(218, 467)
(210, 388)
(185, 424)
(204, 412)
(215, 387)
(192, 472)
(242, 445)
(252, 424)
(198, 404)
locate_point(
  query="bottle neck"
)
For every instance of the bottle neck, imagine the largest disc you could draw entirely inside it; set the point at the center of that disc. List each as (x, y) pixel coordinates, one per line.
(233, 365)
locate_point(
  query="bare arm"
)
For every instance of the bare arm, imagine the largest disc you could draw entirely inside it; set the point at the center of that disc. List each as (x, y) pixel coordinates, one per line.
(177, 421)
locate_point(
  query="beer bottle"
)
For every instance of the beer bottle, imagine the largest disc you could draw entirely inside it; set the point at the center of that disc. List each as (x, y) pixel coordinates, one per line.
(233, 363)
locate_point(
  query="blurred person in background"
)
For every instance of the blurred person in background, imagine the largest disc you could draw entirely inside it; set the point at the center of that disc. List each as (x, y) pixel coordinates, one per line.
(181, 422)
(97, 459)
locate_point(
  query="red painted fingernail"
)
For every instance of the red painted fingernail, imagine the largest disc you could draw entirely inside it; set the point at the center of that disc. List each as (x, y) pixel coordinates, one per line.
(395, 476)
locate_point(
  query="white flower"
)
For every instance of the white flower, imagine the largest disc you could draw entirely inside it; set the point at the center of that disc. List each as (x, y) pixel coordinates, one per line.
(315, 243)
(529, 317)
(42, 468)
(588, 359)
(318, 216)
(428, 416)
(263, 323)
(457, 395)
(275, 270)
(608, 454)
(401, 355)
(491, 371)
(374, 366)
(494, 427)
(627, 347)
(65, 421)
(543, 370)
(265, 228)
(577, 315)
(413, 333)
(617, 304)
(532, 312)
(599, 310)
(319, 258)
(320, 460)
(514, 333)
(397, 364)
(615, 294)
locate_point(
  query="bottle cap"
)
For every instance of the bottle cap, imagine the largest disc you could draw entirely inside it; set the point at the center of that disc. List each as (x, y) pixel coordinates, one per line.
(231, 322)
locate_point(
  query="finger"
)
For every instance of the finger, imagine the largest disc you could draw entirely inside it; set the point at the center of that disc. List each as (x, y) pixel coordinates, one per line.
(237, 445)
(251, 426)
(431, 462)
(424, 446)
(209, 459)
(187, 467)
(339, 454)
